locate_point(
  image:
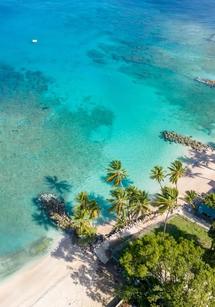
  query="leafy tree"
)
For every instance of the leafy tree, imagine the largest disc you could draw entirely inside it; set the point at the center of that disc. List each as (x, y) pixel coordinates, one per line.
(167, 201)
(176, 172)
(158, 174)
(190, 197)
(158, 271)
(115, 173)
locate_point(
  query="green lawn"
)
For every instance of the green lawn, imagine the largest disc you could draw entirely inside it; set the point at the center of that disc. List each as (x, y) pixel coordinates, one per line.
(181, 227)
(177, 226)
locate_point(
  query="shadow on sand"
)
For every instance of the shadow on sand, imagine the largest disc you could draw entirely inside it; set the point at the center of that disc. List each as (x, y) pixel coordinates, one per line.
(200, 160)
(88, 271)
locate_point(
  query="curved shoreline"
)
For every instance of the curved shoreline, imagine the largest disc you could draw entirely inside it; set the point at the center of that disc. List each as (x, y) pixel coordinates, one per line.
(69, 270)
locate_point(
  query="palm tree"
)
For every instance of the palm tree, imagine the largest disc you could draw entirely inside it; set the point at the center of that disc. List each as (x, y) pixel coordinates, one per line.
(119, 202)
(82, 222)
(93, 209)
(209, 200)
(132, 195)
(211, 234)
(120, 223)
(138, 202)
(115, 173)
(85, 211)
(158, 174)
(176, 171)
(190, 196)
(167, 201)
(82, 200)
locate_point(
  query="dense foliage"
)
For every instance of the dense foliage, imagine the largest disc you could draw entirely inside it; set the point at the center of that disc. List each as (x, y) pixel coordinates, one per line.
(162, 272)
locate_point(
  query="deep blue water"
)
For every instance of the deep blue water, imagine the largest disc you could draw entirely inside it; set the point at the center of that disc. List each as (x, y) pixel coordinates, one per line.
(104, 79)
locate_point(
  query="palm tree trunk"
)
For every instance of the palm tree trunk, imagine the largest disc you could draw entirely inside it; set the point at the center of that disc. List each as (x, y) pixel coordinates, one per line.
(212, 244)
(165, 222)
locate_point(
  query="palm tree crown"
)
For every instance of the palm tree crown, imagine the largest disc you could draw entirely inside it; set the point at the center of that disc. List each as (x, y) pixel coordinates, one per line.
(115, 173)
(93, 209)
(138, 202)
(167, 201)
(84, 212)
(176, 171)
(119, 202)
(190, 197)
(158, 174)
(82, 200)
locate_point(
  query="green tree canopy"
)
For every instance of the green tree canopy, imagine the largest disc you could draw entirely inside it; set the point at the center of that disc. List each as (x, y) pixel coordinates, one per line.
(162, 272)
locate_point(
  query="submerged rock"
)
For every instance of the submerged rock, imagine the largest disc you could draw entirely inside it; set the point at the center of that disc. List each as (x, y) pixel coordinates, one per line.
(55, 209)
(52, 204)
(207, 82)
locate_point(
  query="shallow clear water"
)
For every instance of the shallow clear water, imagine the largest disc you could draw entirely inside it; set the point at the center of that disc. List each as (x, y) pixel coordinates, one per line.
(104, 79)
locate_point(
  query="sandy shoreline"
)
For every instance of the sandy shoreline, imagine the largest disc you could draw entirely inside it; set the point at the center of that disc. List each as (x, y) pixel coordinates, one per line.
(67, 270)
(69, 276)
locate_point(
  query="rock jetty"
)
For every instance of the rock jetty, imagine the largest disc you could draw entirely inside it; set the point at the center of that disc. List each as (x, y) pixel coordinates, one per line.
(55, 209)
(207, 82)
(173, 137)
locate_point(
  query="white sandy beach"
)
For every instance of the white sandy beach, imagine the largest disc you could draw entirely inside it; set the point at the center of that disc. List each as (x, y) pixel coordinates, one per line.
(70, 277)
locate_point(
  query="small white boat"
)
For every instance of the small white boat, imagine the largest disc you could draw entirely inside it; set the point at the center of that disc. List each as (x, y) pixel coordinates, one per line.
(34, 41)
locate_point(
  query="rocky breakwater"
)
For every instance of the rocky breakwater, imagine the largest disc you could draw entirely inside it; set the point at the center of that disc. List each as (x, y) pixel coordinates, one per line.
(55, 209)
(173, 137)
(207, 82)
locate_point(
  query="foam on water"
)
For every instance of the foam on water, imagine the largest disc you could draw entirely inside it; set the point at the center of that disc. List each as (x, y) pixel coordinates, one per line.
(101, 83)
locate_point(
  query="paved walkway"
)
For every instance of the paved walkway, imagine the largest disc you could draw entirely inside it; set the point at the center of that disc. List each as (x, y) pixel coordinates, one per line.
(103, 250)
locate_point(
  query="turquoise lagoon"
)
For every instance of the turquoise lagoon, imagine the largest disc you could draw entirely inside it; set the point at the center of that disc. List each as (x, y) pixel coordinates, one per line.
(101, 83)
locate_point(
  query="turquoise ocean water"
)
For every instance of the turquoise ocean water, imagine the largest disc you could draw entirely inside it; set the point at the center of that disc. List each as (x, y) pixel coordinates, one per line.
(101, 83)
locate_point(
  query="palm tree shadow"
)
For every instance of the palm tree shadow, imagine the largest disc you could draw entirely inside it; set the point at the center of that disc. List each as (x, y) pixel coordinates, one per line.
(60, 186)
(40, 216)
(105, 215)
(198, 159)
(93, 276)
(178, 233)
(103, 180)
(127, 182)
